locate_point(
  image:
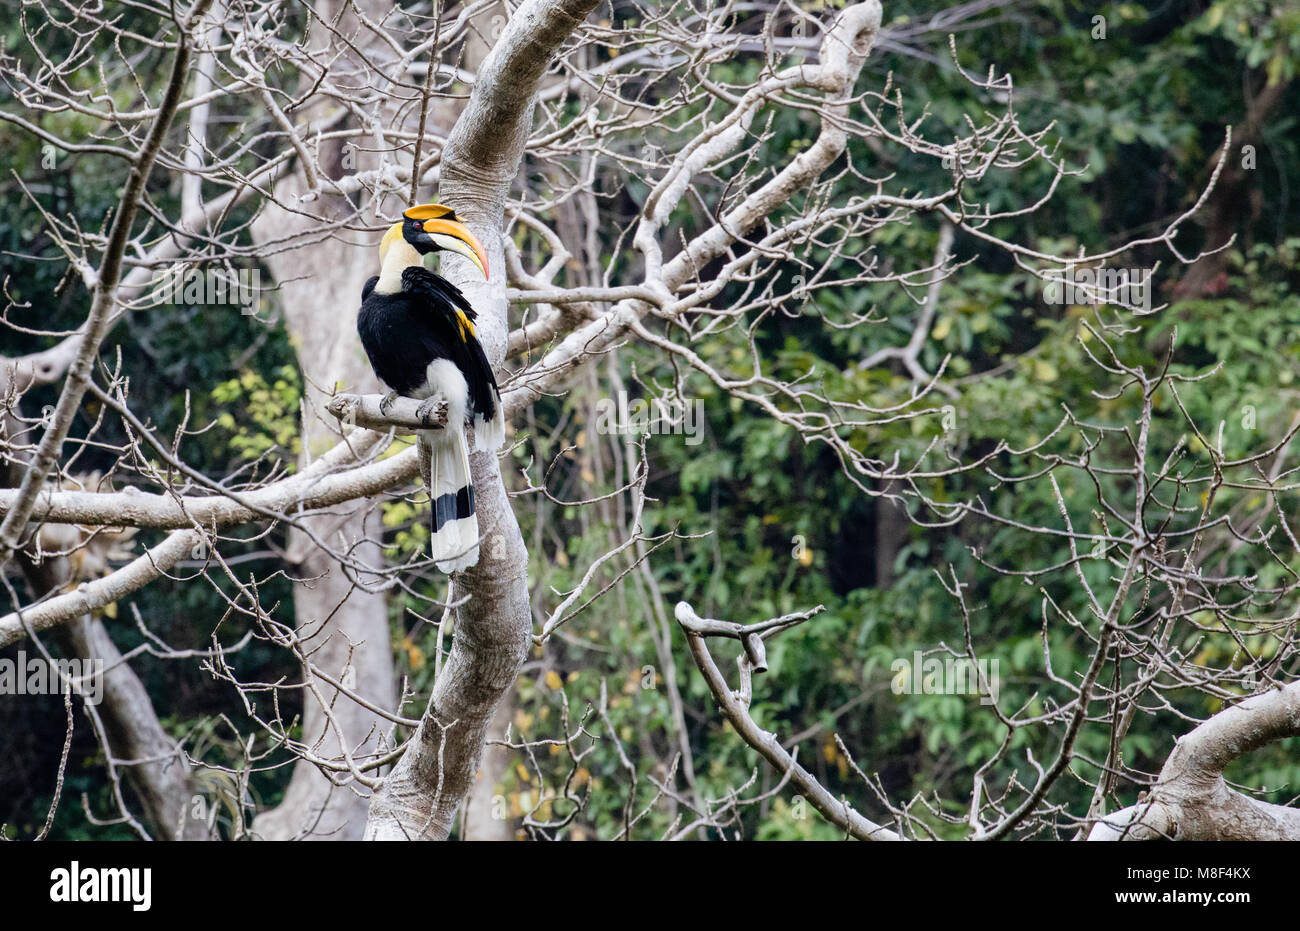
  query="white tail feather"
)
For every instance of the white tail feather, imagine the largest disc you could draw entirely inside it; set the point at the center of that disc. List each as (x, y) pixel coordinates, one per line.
(453, 541)
(490, 435)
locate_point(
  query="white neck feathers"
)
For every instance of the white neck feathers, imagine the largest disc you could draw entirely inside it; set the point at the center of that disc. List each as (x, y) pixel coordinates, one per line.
(401, 255)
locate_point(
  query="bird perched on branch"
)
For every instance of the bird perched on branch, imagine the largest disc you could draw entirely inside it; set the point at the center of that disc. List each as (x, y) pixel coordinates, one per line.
(418, 331)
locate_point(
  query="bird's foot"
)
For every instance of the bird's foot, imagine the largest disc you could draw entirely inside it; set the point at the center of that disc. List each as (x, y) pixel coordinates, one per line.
(428, 407)
(387, 402)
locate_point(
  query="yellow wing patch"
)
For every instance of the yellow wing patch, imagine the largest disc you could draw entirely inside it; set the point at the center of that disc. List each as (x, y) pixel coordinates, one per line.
(466, 326)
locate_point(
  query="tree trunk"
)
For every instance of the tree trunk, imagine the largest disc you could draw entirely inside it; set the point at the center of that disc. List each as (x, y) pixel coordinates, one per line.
(493, 629)
(320, 290)
(481, 821)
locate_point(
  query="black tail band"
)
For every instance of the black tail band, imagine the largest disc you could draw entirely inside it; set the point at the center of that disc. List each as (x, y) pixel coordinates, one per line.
(453, 506)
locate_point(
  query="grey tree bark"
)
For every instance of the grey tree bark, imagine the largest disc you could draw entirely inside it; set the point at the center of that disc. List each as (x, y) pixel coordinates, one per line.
(482, 820)
(160, 775)
(157, 769)
(320, 290)
(420, 797)
(1192, 801)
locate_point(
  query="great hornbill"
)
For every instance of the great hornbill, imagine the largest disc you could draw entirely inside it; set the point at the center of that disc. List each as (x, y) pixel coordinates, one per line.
(418, 331)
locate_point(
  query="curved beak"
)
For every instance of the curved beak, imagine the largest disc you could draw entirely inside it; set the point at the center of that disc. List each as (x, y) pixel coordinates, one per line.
(454, 236)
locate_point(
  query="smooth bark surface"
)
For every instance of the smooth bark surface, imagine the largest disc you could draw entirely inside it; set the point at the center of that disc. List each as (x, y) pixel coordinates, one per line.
(1192, 801)
(321, 290)
(420, 797)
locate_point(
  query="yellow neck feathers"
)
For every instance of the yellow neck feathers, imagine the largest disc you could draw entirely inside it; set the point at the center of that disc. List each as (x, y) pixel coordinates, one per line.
(395, 255)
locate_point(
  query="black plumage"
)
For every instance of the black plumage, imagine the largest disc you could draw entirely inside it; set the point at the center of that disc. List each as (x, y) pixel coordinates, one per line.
(418, 331)
(428, 319)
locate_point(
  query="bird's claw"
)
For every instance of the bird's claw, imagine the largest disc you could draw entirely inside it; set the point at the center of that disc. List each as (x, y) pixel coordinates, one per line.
(428, 407)
(386, 403)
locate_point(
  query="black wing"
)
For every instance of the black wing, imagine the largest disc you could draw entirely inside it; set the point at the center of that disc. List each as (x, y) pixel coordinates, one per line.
(419, 280)
(368, 287)
(402, 333)
(464, 348)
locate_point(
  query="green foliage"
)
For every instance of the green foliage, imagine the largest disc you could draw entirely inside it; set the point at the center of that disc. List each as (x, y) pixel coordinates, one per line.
(1143, 110)
(780, 526)
(261, 415)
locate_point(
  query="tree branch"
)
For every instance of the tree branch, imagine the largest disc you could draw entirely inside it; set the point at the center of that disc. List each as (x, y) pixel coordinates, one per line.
(402, 414)
(104, 301)
(482, 156)
(1192, 801)
(735, 706)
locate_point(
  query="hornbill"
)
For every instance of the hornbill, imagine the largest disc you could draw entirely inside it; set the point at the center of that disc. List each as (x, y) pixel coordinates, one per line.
(418, 331)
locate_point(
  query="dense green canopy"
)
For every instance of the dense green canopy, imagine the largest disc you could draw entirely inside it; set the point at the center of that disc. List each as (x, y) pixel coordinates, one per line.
(770, 524)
